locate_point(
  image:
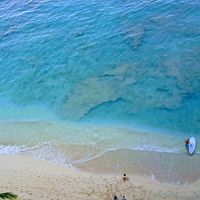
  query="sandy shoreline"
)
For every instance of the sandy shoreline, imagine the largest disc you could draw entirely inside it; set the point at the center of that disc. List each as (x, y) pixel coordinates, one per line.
(35, 179)
(177, 168)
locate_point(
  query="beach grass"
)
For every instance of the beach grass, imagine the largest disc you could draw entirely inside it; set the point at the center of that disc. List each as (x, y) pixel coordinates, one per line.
(8, 195)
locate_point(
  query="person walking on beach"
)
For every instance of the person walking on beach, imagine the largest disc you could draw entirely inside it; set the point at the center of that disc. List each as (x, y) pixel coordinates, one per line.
(124, 198)
(125, 178)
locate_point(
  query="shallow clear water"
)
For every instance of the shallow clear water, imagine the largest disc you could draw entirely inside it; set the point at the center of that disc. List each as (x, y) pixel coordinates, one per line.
(136, 62)
(132, 61)
(125, 63)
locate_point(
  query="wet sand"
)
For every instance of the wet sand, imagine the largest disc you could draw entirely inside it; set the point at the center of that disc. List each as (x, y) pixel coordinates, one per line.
(33, 179)
(177, 168)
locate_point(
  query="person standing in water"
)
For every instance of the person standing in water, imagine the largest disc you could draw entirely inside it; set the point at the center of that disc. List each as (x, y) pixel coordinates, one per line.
(187, 143)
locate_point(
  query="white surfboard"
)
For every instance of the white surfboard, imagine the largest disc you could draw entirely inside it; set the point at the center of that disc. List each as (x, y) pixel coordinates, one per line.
(192, 145)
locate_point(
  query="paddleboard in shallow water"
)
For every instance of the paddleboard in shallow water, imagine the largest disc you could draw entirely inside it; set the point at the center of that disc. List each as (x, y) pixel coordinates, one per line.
(192, 145)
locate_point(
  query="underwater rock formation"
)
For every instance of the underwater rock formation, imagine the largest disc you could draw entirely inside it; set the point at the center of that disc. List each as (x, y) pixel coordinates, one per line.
(140, 88)
(134, 36)
(94, 91)
(88, 94)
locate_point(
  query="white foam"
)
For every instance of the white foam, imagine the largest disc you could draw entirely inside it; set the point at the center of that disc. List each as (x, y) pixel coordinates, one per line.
(52, 153)
(9, 149)
(138, 148)
(155, 148)
(43, 151)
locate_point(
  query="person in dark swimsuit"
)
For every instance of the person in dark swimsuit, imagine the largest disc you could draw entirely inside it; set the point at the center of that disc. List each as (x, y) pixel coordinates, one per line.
(187, 142)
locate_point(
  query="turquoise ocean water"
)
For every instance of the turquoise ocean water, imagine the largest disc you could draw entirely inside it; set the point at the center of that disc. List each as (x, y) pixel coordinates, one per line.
(128, 63)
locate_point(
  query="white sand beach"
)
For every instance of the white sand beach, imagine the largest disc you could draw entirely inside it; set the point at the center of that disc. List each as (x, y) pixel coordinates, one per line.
(33, 179)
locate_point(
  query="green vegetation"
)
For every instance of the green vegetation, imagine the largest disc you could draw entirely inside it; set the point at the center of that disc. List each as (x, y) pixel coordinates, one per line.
(8, 195)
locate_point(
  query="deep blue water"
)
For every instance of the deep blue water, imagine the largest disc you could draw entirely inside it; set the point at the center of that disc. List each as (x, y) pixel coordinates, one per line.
(133, 62)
